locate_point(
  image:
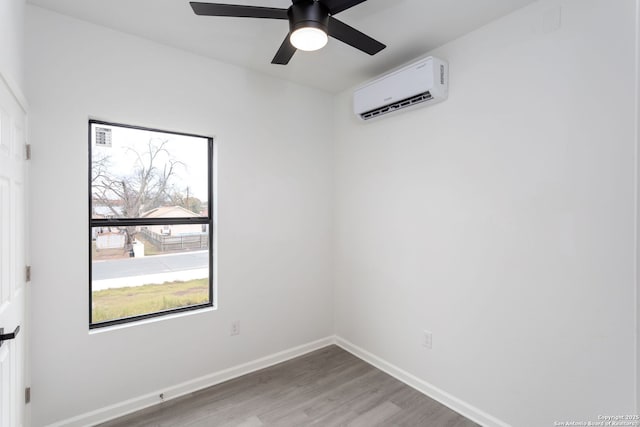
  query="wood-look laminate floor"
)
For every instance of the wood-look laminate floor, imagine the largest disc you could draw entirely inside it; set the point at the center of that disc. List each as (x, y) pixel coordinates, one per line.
(328, 387)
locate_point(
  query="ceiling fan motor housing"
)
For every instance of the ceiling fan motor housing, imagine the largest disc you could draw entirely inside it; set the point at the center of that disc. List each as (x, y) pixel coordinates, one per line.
(308, 14)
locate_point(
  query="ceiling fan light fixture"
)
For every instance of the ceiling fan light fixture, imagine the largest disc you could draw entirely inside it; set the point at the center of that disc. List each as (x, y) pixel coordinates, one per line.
(311, 22)
(309, 39)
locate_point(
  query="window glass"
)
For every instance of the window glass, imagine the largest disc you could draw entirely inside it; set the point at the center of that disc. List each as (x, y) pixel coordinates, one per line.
(150, 223)
(134, 172)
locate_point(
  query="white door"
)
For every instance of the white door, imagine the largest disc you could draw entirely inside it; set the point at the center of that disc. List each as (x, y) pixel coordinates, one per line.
(12, 257)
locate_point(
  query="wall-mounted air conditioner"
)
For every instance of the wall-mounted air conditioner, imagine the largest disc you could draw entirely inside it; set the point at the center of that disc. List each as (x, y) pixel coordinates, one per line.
(423, 82)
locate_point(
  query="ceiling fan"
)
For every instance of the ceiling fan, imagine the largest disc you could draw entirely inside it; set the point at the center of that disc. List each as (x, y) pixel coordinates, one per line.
(310, 24)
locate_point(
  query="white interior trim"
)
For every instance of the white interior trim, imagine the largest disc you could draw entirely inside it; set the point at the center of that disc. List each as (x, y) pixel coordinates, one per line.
(132, 405)
(137, 403)
(458, 405)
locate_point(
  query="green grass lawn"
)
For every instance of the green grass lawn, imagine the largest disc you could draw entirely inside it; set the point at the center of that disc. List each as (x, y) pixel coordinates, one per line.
(111, 304)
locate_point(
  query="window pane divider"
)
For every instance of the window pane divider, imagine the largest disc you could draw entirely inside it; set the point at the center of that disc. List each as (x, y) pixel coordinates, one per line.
(119, 222)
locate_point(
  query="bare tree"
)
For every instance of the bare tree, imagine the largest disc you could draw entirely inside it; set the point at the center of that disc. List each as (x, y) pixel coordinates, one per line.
(186, 200)
(146, 186)
(99, 170)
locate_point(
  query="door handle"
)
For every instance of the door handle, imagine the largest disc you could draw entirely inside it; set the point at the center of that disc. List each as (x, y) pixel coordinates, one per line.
(7, 337)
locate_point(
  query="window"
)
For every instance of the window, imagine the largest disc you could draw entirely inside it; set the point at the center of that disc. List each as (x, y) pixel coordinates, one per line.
(150, 223)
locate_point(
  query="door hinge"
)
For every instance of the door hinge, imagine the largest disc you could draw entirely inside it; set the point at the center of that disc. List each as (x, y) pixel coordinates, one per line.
(28, 151)
(27, 395)
(27, 272)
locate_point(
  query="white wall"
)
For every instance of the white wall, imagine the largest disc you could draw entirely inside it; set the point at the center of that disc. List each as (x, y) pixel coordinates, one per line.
(502, 220)
(637, 210)
(11, 40)
(274, 145)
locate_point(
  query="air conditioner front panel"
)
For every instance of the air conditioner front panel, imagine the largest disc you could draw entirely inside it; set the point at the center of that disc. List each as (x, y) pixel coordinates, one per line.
(394, 87)
(424, 81)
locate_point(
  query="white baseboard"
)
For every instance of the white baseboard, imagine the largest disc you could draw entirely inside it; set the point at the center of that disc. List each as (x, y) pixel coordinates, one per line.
(461, 407)
(126, 407)
(141, 402)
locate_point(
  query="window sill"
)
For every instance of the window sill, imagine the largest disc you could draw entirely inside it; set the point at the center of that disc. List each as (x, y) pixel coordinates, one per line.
(150, 320)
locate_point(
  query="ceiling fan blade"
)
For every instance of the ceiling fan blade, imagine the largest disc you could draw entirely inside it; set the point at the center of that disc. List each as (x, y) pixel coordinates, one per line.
(285, 53)
(353, 37)
(337, 6)
(239, 11)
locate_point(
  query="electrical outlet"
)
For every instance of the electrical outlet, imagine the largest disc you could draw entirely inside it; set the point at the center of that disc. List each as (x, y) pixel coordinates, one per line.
(427, 339)
(235, 328)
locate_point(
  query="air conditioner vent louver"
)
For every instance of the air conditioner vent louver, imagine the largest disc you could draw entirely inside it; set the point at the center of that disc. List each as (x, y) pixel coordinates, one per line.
(408, 102)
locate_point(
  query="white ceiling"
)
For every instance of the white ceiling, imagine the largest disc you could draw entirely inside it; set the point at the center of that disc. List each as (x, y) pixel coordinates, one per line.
(409, 28)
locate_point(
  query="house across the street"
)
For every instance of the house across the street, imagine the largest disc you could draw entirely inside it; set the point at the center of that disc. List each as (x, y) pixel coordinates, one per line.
(173, 212)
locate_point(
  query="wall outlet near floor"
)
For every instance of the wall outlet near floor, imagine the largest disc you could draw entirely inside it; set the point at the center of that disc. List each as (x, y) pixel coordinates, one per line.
(427, 339)
(235, 328)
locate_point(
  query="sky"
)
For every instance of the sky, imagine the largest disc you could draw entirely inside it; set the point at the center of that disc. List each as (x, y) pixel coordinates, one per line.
(192, 151)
